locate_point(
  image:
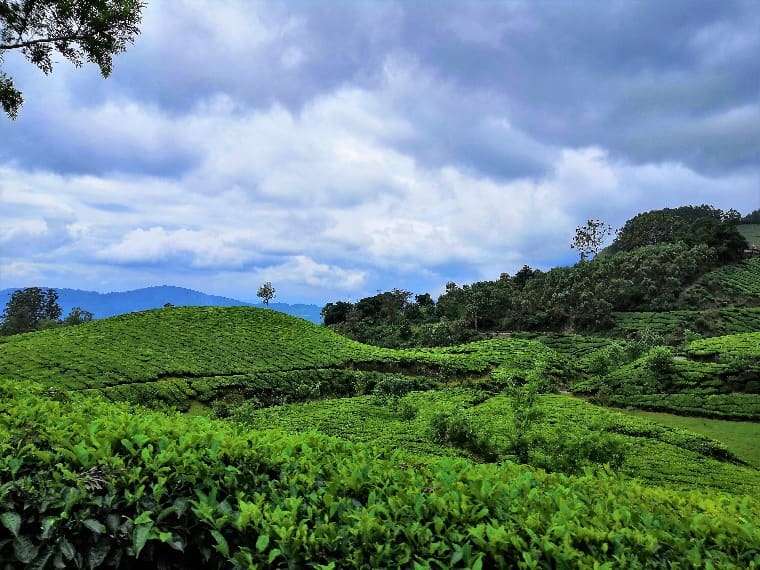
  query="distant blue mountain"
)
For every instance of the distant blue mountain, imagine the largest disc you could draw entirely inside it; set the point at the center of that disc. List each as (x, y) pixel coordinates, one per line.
(103, 305)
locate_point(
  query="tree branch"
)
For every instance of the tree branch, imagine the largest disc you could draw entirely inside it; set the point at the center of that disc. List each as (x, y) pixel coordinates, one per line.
(53, 39)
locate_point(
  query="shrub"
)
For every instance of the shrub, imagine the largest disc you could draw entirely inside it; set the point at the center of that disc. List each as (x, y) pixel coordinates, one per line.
(660, 361)
(94, 484)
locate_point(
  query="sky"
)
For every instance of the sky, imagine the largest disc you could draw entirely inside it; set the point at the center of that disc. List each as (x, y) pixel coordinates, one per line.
(338, 148)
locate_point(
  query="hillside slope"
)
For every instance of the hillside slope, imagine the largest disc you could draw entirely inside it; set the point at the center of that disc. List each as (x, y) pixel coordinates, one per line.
(178, 354)
(751, 233)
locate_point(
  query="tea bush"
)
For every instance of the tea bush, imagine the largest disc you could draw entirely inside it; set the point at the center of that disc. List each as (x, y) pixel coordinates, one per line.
(182, 355)
(90, 484)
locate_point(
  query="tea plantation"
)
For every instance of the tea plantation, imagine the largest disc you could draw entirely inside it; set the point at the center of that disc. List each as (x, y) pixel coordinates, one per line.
(307, 449)
(183, 354)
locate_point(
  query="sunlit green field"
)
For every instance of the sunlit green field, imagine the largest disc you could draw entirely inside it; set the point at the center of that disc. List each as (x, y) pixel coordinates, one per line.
(743, 438)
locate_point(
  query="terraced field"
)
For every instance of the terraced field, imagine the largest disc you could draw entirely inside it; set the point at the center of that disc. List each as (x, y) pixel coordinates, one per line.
(666, 324)
(180, 355)
(656, 454)
(717, 377)
(742, 279)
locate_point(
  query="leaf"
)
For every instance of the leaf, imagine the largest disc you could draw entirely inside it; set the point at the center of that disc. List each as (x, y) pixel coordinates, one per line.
(11, 521)
(143, 518)
(140, 537)
(221, 542)
(95, 526)
(66, 549)
(97, 554)
(273, 554)
(24, 549)
(262, 542)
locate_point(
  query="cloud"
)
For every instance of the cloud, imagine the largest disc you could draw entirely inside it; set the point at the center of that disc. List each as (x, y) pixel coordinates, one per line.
(351, 147)
(204, 249)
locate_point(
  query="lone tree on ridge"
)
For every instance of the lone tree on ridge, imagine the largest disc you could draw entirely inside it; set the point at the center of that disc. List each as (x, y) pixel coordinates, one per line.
(266, 292)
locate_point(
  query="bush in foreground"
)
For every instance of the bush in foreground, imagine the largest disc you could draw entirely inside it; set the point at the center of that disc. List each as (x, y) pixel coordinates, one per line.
(90, 484)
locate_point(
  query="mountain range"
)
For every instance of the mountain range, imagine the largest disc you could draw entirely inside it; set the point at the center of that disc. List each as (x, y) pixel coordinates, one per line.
(103, 305)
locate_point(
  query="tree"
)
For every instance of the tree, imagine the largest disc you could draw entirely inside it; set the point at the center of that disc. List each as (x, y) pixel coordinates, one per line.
(752, 218)
(30, 309)
(79, 30)
(335, 313)
(77, 316)
(589, 238)
(266, 292)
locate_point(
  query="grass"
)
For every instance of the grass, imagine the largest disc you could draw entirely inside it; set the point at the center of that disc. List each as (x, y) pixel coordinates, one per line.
(742, 438)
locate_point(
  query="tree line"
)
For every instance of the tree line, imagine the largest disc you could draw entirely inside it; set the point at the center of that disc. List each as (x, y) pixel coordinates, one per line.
(652, 259)
(37, 308)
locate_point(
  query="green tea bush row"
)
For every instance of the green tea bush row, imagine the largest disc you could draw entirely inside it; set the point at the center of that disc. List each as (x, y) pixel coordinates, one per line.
(91, 484)
(205, 349)
(678, 325)
(725, 406)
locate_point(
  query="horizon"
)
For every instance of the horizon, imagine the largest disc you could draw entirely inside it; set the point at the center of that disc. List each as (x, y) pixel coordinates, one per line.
(235, 144)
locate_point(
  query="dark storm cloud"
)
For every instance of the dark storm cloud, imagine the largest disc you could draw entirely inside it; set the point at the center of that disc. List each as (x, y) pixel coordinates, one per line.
(359, 145)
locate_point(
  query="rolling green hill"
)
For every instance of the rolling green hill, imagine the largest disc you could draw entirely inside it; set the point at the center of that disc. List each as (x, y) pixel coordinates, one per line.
(182, 354)
(419, 451)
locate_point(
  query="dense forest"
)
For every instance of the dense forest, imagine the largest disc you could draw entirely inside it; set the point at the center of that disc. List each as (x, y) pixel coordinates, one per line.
(654, 264)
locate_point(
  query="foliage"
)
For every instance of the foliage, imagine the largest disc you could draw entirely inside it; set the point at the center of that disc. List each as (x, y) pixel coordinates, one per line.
(570, 436)
(672, 326)
(725, 406)
(78, 30)
(688, 224)
(589, 238)
(582, 297)
(739, 437)
(752, 218)
(98, 484)
(743, 278)
(30, 309)
(751, 232)
(266, 292)
(77, 316)
(660, 361)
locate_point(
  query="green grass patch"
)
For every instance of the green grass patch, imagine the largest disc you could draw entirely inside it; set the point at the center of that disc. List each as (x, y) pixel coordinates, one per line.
(742, 438)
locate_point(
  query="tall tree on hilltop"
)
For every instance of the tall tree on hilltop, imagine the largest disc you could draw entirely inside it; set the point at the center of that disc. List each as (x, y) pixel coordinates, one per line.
(590, 237)
(79, 30)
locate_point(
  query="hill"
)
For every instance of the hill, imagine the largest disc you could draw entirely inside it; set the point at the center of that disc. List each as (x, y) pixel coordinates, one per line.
(446, 454)
(104, 305)
(180, 354)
